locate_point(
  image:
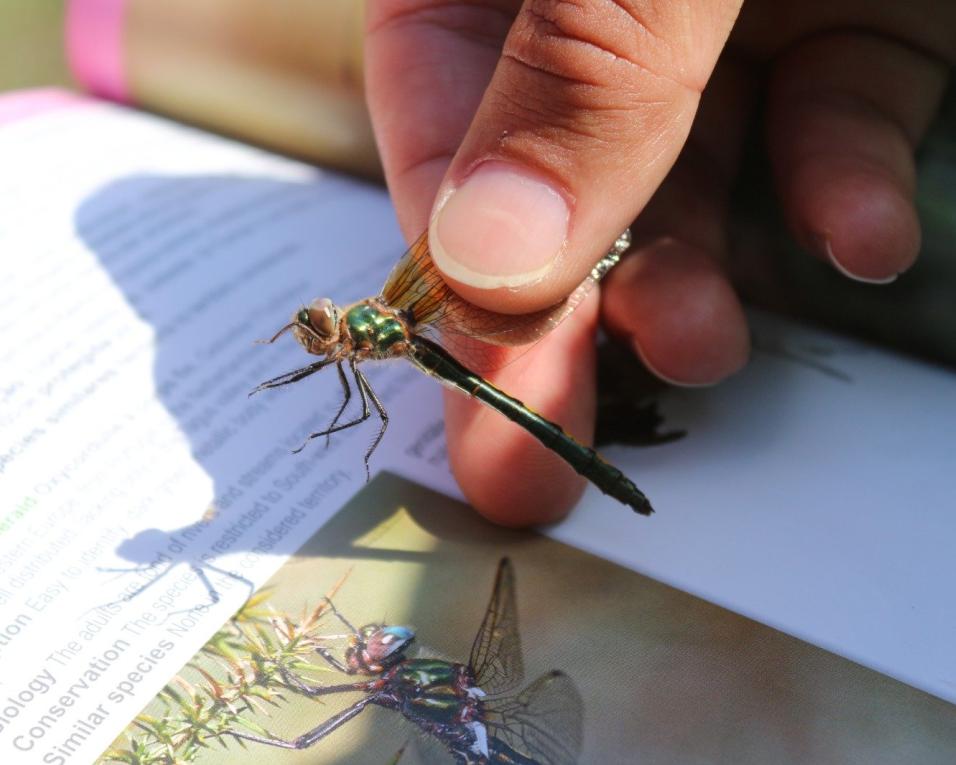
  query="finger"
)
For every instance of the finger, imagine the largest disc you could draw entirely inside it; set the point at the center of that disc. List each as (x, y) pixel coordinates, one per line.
(585, 114)
(426, 65)
(674, 303)
(504, 472)
(845, 115)
(670, 298)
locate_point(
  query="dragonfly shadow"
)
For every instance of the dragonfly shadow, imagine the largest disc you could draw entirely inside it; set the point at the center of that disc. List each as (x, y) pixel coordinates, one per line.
(822, 358)
(161, 559)
(209, 264)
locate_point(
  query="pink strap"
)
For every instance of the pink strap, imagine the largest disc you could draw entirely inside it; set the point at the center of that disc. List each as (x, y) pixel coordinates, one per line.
(94, 46)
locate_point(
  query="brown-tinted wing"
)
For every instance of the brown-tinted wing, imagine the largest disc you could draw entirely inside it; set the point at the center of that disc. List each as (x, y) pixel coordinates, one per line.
(496, 653)
(416, 287)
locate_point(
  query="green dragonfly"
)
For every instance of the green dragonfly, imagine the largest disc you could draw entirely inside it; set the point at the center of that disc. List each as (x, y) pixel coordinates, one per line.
(414, 309)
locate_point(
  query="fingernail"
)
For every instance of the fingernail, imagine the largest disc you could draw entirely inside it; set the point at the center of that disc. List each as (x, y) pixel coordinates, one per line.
(655, 370)
(834, 261)
(502, 227)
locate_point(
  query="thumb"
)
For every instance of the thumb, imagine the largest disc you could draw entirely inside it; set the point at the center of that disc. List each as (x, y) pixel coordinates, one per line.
(587, 110)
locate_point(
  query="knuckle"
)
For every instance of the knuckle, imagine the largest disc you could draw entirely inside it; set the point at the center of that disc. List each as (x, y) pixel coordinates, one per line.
(482, 22)
(611, 44)
(587, 75)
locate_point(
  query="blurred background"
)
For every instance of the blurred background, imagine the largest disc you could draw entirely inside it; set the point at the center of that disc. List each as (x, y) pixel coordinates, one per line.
(31, 44)
(287, 75)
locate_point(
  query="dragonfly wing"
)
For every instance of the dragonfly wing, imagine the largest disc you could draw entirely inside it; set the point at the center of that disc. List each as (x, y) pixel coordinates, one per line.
(417, 287)
(543, 723)
(496, 653)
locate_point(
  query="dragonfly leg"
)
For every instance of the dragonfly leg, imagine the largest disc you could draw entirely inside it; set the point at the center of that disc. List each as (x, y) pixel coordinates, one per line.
(313, 736)
(366, 413)
(347, 390)
(341, 618)
(363, 383)
(290, 377)
(323, 690)
(326, 654)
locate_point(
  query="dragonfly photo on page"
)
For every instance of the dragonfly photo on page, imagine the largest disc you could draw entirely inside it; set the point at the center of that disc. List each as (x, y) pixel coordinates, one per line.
(414, 309)
(477, 710)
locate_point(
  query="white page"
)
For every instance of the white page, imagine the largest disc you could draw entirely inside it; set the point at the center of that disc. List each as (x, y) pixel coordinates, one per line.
(140, 261)
(817, 501)
(814, 504)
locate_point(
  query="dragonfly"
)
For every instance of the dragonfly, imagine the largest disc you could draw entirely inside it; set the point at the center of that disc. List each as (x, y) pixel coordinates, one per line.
(414, 318)
(474, 710)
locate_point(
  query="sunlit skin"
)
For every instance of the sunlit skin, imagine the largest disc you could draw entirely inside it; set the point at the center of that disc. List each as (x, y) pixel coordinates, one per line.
(642, 107)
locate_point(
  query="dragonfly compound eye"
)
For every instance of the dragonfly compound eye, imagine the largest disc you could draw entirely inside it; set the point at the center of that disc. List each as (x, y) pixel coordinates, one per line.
(387, 642)
(323, 316)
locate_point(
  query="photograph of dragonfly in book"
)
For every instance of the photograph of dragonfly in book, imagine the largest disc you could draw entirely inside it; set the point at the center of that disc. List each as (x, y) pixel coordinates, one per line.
(415, 303)
(475, 710)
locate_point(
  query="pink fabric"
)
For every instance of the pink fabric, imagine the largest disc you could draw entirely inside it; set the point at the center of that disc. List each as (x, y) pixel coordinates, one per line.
(94, 46)
(20, 104)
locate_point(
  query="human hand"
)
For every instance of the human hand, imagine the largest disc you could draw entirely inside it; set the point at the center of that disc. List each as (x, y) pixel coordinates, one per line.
(530, 135)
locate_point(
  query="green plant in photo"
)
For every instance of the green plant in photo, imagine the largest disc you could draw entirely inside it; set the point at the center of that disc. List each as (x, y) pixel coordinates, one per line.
(250, 665)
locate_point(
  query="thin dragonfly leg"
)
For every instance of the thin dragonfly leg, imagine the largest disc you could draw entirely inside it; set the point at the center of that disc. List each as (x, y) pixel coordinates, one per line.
(313, 736)
(290, 377)
(294, 681)
(366, 413)
(363, 382)
(347, 390)
(326, 654)
(338, 615)
(333, 661)
(291, 325)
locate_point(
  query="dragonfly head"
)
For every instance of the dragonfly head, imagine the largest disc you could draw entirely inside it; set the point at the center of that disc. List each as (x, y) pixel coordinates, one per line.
(317, 326)
(385, 643)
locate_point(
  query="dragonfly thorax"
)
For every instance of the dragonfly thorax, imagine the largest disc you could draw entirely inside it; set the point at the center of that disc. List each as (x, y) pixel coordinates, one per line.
(375, 329)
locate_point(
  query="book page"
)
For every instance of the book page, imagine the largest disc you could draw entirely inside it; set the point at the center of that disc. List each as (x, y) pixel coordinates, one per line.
(813, 492)
(612, 666)
(144, 493)
(145, 496)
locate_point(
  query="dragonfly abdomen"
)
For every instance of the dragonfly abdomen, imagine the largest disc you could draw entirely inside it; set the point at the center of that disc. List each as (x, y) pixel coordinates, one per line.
(437, 362)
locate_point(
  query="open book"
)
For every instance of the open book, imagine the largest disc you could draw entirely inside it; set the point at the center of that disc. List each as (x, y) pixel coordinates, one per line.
(791, 601)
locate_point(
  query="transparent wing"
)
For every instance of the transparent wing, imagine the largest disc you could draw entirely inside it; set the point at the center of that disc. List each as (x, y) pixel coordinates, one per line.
(416, 287)
(543, 723)
(496, 653)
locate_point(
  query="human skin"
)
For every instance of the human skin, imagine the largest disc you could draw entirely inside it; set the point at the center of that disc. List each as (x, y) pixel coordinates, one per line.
(527, 136)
